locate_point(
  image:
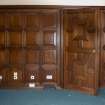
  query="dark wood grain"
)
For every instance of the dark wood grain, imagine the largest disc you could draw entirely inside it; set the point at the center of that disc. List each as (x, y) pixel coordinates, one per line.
(29, 47)
(56, 45)
(80, 49)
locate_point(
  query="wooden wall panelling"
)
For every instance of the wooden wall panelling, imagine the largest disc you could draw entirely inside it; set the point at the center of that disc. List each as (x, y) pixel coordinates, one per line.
(49, 66)
(32, 74)
(14, 44)
(32, 48)
(80, 49)
(3, 51)
(12, 39)
(102, 48)
(50, 50)
(29, 47)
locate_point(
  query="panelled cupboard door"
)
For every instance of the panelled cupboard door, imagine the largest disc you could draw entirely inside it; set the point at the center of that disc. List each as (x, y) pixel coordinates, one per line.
(80, 49)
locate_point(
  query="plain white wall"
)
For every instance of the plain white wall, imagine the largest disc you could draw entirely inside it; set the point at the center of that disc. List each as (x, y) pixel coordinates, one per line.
(53, 2)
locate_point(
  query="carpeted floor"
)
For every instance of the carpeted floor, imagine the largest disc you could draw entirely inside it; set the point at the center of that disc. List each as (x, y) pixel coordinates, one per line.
(49, 97)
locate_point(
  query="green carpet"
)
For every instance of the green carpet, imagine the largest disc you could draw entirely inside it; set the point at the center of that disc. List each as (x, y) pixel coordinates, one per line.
(49, 97)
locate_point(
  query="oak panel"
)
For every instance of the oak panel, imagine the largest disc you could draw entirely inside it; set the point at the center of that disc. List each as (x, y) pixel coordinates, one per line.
(80, 44)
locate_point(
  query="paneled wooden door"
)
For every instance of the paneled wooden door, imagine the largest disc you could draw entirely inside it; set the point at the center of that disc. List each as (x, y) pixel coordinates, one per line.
(80, 49)
(29, 47)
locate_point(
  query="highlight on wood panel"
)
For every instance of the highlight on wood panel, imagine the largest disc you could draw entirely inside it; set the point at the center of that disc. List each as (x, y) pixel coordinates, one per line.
(49, 38)
(59, 47)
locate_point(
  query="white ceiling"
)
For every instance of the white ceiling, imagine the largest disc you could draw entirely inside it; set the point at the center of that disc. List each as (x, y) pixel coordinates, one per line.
(54, 2)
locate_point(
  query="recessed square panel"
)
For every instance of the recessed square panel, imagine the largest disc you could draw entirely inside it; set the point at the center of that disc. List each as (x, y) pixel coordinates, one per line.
(48, 20)
(3, 57)
(2, 20)
(15, 39)
(32, 38)
(17, 57)
(15, 20)
(32, 57)
(49, 38)
(32, 67)
(2, 38)
(49, 57)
